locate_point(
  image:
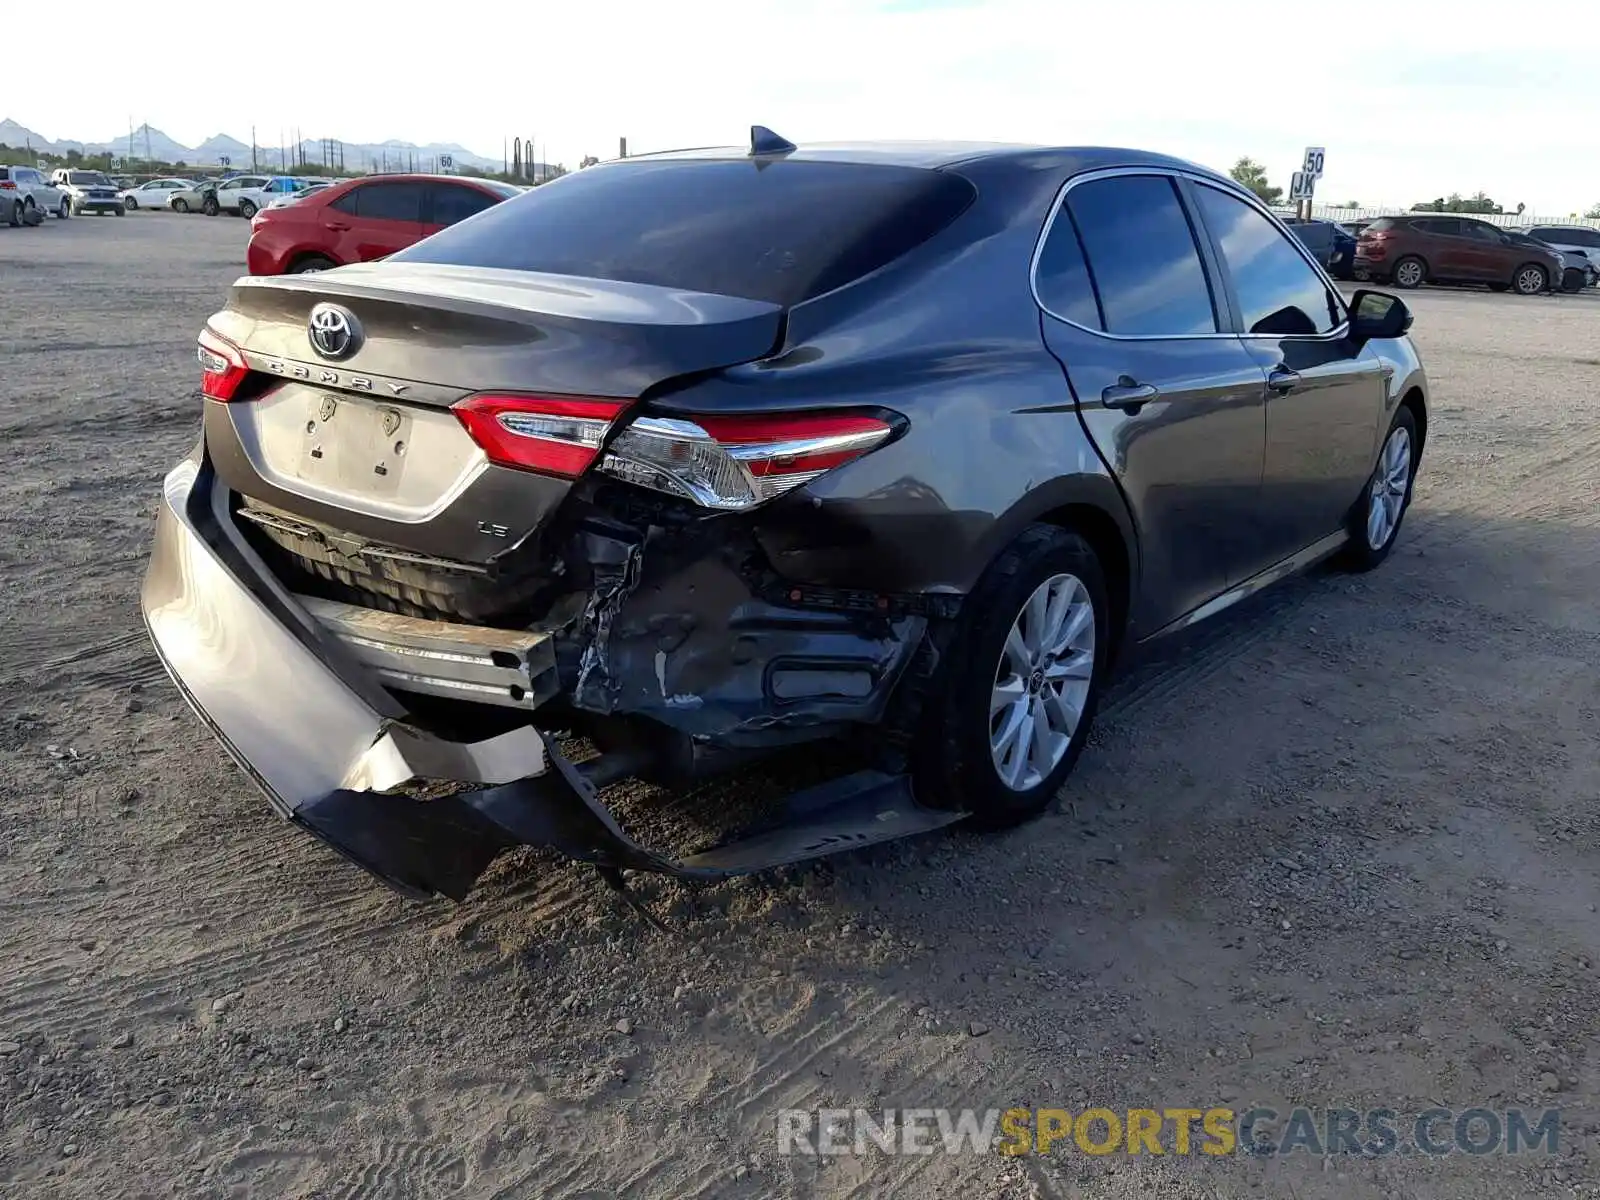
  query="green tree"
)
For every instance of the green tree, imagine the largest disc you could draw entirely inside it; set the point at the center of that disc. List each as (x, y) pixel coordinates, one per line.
(1251, 174)
(1457, 203)
(1594, 212)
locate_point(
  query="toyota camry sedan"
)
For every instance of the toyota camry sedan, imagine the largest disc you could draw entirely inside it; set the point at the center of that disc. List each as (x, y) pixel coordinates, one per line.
(888, 450)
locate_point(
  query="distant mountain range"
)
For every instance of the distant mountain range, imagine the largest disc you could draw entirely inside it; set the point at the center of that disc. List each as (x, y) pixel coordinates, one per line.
(148, 143)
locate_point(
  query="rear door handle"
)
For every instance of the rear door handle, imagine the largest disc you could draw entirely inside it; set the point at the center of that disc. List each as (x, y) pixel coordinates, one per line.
(1281, 381)
(1125, 393)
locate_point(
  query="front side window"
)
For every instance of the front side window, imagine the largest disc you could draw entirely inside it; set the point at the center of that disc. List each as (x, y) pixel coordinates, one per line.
(1142, 258)
(1279, 291)
(454, 202)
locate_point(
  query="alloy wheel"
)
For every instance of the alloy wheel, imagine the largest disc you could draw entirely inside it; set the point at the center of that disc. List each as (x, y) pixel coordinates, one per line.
(1408, 274)
(1530, 280)
(1042, 682)
(1387, 496)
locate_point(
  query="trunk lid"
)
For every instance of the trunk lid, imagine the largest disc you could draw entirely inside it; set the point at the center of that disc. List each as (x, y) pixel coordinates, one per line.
(366, 475)
(473, 329)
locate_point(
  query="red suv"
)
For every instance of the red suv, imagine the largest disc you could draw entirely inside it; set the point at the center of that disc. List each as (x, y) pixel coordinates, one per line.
(363, 220)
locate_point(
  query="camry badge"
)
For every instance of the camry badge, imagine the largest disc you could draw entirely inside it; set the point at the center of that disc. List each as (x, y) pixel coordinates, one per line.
(334, 331)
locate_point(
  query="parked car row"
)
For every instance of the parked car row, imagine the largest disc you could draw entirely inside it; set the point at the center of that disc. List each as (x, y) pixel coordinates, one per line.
(68, 192)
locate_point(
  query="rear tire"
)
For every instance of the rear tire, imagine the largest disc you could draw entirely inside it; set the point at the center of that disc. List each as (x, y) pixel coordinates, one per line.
(1410, 272)
(1530, 279)
(1017, 691)
(1375, 520)
(209, 206)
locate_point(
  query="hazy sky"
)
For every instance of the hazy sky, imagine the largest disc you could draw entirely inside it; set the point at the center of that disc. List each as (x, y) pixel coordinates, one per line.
(1412, 99)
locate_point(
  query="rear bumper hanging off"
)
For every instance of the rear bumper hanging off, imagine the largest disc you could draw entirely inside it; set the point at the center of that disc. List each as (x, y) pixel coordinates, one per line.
(289, 693)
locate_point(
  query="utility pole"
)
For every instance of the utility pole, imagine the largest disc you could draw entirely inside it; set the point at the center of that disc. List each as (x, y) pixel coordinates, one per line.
(622, 148)
(254, 166)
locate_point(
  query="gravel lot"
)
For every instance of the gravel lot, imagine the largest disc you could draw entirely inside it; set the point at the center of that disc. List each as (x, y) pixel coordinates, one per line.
(1338, 849)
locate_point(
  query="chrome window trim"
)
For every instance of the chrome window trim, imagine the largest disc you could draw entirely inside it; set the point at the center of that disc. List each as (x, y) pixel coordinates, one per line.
(1194, 177)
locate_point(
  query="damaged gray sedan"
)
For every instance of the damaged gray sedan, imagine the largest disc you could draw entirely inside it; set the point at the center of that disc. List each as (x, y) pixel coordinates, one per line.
(703, 455)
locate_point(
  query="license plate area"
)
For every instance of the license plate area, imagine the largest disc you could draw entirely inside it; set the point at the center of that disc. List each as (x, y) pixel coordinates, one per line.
(353, 445)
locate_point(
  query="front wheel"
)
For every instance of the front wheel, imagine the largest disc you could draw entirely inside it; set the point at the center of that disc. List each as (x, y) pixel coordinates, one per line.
(312, 262)
(180, 206)
(209, 206)
(130, 204)
(1375, 520)
(64, 209)
(121, 210)
(1020, 682)
(1530, 280)
(246, 209)
(14, 218)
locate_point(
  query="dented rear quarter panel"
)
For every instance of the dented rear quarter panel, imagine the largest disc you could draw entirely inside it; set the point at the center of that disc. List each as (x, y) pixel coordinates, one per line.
(948, 336)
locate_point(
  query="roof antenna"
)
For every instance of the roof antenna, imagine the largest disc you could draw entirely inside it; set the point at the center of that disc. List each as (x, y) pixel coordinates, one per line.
(764, 141)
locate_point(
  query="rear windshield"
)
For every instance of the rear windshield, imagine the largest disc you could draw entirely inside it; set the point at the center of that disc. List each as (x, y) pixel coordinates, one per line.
(1380, 225)
(779, 232)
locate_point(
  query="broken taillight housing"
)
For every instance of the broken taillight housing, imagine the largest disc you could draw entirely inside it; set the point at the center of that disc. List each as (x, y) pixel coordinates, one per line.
(555, 435)
(738, 462)
(222, 366)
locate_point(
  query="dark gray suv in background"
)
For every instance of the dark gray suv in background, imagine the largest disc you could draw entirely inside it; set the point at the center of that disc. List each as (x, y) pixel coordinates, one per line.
(707, 454)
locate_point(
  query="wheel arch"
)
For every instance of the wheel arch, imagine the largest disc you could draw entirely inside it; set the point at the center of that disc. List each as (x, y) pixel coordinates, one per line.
(1417, 403)
(1091, 506)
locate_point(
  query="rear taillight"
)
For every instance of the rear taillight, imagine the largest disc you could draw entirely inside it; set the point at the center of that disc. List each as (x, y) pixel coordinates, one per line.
(7, 185)
(557, 435)
(738, 462)
(222, 366)
(1374, 235)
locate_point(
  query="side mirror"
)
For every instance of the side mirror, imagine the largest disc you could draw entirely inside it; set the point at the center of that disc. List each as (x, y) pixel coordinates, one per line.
(1375, 315)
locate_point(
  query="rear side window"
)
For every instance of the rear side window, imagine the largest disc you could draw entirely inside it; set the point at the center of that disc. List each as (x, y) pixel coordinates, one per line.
(1061, 278)
(781, 232)
(1142, 256)
(452, 202)
(1279, 292)
(5, 172)
(383, 202)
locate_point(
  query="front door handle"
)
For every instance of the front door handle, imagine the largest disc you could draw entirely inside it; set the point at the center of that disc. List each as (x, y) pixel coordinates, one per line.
(1281, 381)
(1125, 393)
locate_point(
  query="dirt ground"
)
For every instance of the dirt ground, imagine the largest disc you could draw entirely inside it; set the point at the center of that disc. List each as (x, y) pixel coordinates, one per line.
(1336, 849)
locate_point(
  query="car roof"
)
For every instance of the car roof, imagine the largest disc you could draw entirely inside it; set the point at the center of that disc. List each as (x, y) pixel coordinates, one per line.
(935, 154)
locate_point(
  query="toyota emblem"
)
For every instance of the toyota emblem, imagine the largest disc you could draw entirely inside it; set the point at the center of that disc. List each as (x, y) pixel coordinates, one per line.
(334, 331)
